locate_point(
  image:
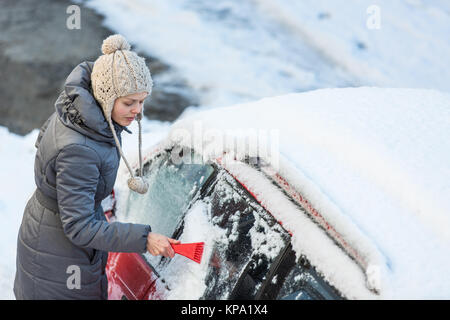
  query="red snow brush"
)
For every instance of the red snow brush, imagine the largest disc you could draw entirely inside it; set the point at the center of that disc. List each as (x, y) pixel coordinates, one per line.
(193, 251)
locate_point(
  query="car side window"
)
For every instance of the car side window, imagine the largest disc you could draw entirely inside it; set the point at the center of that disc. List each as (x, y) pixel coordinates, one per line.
(251, 241)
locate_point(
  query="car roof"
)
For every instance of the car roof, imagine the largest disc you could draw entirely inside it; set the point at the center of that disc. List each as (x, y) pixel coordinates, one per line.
(372, 161)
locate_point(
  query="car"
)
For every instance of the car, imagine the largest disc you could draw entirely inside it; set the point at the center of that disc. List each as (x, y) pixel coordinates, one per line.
(273, 271)
(274, 220)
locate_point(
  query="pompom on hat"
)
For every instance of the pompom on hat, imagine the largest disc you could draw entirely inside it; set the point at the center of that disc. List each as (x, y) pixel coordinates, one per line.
(117, 73)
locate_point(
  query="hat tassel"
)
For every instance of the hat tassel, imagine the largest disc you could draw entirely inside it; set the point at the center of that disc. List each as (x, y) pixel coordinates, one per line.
(135, 183)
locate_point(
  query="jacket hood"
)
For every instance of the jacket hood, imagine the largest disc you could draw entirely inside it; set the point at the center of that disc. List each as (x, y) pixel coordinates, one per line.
(77, 108)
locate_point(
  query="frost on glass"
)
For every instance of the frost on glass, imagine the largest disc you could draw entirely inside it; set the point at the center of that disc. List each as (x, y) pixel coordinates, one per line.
(172, 188)
(243, 253)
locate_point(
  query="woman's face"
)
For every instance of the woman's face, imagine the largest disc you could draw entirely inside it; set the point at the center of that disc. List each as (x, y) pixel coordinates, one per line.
(126, 108)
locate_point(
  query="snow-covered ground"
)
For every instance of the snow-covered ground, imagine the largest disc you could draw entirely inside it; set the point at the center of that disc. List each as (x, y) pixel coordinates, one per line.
(233, 52)
(17, 185)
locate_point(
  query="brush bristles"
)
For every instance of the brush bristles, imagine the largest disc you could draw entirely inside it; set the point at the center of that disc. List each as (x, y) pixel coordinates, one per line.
(193, 251)
(198, 253)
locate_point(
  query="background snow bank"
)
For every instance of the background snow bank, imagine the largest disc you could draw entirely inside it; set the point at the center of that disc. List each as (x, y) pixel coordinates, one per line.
(16, 187)
(234, 51)
(411, 34)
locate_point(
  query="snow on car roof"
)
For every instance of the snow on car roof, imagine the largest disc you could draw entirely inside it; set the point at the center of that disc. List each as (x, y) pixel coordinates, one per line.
(373, 161)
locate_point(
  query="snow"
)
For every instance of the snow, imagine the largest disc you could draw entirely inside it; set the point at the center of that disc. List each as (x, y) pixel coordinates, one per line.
(17, 186)
(410, 34)
(373, 161)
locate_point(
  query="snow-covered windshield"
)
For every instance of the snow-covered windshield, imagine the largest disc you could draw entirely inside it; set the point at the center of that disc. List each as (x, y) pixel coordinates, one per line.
(171, 189)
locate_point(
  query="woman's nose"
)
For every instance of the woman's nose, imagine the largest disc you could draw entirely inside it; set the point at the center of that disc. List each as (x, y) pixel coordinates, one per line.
(137, 109)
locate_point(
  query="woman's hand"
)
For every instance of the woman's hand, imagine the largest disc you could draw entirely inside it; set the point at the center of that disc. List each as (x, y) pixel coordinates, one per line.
(157, 244)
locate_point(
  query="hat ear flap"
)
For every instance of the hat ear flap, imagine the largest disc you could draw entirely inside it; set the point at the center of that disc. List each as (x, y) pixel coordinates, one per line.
(108, 108)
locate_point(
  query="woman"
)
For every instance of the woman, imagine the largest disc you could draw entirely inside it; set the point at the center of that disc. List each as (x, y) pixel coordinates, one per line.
(78, 153)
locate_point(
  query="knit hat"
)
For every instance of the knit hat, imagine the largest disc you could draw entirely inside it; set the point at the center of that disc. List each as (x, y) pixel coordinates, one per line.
(120, 72)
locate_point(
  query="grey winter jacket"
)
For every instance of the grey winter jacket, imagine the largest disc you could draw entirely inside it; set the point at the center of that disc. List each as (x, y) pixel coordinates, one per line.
(75, 166)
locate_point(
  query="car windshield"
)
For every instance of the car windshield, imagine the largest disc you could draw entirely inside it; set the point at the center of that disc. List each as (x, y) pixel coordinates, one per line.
(172, 187)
